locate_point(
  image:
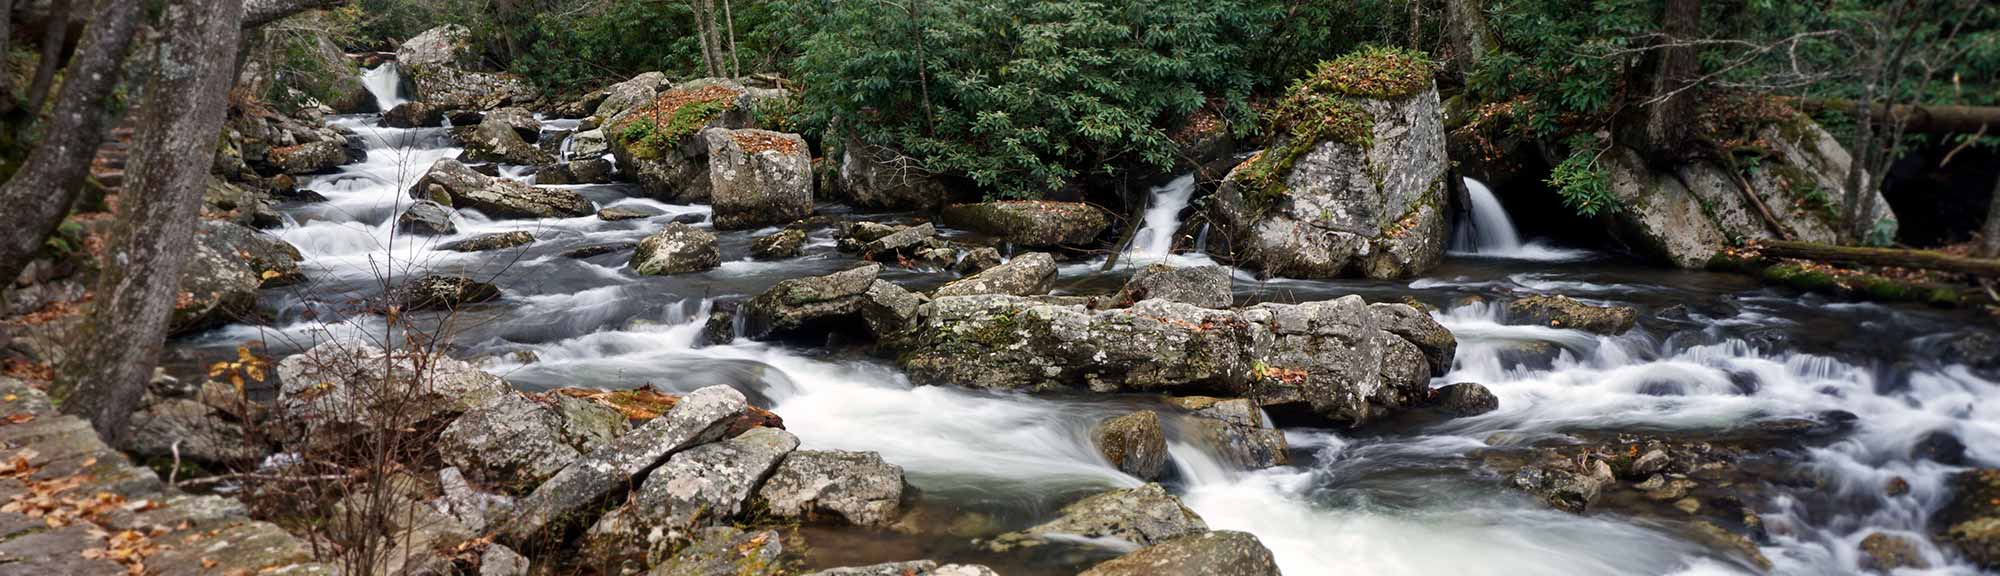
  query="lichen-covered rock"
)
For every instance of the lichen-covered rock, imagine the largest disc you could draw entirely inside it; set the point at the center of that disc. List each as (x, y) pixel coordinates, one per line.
(445, 69)
(659, 144)
(1658, 215)
(588, 144)
(441, 292)
(896, 244)
(511, 442)
(1217, 553)
(579, 171)
(1885, 552)
(1333, 356)
(758, 177)
(1134, 443)
(351, 383)
(229, 263)
(184, 428)
(426, 218)
(710, 484)
(1032, 223)
(519, 119)
(817, 485)
(1364, 197)
(452, 183)
(727, 551)
(1970, 520)
(1565, 483)
(617, 213)
(1560, 311)
(1465, 399)
(1143, 516)
(308, 158)
(565, 500)
(498, 140)
(880, 178)
(587, 425)
(1026, 275)
(1413, 325)
(629, 94)
(413, 115)
(1204, 286)
(784, 243)
(498, 560)
(676, 249)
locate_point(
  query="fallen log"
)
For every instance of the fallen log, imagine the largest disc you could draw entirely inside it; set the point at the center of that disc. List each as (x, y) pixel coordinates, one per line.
(1924, 259)
(1928, 119)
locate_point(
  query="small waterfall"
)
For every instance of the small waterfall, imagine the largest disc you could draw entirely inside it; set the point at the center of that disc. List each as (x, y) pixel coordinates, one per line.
(1487, 230)
(1155, 239)
(385, 82)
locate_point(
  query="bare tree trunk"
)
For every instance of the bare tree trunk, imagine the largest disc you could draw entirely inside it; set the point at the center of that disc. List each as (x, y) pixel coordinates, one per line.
(923, 62)
(178, 123)
(39, 195)
(1990, 245)
(55, 30)
(1669, 111)
(729, 20)
(1416, 24)
(711, 51)
(1471, 40)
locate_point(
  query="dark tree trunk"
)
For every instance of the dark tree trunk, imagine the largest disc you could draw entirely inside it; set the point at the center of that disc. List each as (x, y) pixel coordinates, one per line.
(178, 123)
(39, 195)
(1669, 111)
(55, 33)
(7, 102)
(1990, 245)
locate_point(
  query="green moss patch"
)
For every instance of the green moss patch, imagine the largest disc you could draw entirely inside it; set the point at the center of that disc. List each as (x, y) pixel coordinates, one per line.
(649, 131)
(1323, 107)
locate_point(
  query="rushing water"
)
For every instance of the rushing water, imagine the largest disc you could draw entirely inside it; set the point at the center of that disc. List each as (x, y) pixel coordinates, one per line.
(1487, 231)
(1714, 352)
(385, 84)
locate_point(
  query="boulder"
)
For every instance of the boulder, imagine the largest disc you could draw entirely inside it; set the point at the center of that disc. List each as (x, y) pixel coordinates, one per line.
(497, 140)
(440, 292)
(452, 183)
(1886, 553)
(676, 249)
(1970, 520)
(185, 428)
(426, 218)
(879, 178)
(229, 263)
(520, 120)
(784, 243)
(1032, 223)
(1134, 443)
(308, 158)
(1464, 399)
(814, 305)
(1417, 327)
(586, 424)
(911, 568)
(727, 551)
(617, 213)
(511, 442)
(659, 143)
(446, 70)
(564, 502)
(413, 115)
(758, 177)
(249, 206)
(629, 94)
(471, 508)
(346, 383)
(1234, 429)
(1204, 286)
(1566, 484)
(1333, 356)
(900, 242)
(704, 486)
(1142, 516)
(1356, 187)
(581, 171)
(498, 560)
(588, 144)
(1564, 312)
(1217, 553)
(1026, 275)
(817, 485)
(491, 241)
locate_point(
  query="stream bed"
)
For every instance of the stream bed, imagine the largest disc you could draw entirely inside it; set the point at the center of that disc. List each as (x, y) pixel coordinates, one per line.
(1712, 353)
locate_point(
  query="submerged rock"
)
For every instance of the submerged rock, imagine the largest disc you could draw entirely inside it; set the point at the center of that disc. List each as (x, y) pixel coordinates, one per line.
(812, 306)
(1564, 312)
(452, 183)
(1032, 223)
(1464, 399)
(676, 249)
(1566, 484)
(1970, 520)
(493, 241)
(784, 243)
(758, 177)
(1333, 356)
(1134, 443)
(1026, 275)
(564, 502)
(816, 485)
(1143, 516)
(1204, 286)
(1218, 553)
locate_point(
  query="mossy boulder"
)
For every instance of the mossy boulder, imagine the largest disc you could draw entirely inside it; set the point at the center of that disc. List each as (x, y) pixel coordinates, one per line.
(659, 144)
(1353, 186)
(1134, 443)
(1558, 311)
(1970, 520)
(676, 249)
(758, 177)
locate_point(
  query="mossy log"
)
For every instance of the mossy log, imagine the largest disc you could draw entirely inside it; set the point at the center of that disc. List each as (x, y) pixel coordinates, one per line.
(1930, 119)
(1923, 259)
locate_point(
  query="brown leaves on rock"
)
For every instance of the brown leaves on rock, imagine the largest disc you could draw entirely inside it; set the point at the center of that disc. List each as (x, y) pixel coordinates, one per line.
(755, 142)
(642, 404)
